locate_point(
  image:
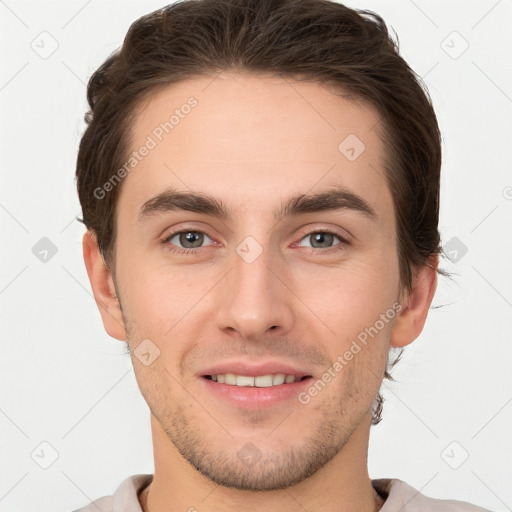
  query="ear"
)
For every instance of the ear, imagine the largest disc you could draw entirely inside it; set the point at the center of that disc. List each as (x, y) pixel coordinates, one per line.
(103, 288)
(410, 320)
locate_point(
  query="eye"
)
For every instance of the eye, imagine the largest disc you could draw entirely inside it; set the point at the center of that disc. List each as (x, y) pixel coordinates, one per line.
(323, 239)
(188, 239)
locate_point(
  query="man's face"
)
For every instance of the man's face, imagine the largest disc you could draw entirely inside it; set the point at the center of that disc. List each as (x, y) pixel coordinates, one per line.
(257, 295)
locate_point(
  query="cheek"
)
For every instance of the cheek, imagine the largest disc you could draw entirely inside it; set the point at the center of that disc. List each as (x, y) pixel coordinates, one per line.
(158, 306)
(349, 301)
(164, 307)
(351, 296)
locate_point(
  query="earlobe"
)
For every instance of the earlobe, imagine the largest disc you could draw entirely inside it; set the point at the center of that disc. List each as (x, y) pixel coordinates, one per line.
(103, 288)
(411, 319)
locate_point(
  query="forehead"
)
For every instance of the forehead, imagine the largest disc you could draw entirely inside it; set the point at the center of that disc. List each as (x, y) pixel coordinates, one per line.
(262, 137)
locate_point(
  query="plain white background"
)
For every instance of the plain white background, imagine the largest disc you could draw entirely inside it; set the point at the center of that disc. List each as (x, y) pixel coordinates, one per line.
(64, 382)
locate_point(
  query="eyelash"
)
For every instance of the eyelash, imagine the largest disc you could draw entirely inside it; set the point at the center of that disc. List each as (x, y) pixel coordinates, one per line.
(177, 250)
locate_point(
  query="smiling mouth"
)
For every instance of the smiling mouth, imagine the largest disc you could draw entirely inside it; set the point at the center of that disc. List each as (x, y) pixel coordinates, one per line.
(260, 381)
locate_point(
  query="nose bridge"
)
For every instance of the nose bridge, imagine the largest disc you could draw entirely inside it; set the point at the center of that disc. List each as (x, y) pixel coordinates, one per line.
(252, 273)
(254, 299)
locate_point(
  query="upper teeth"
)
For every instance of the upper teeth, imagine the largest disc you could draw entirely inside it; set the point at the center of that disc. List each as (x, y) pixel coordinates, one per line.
(262, 381)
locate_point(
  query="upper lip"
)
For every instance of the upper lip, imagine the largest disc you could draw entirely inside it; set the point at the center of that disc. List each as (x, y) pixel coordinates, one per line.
(254, 370)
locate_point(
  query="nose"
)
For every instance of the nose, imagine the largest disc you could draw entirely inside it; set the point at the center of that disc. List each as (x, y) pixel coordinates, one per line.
(255, 301)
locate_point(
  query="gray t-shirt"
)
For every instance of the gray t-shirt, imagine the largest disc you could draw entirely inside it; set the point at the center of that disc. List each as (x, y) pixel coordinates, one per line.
(399, 496)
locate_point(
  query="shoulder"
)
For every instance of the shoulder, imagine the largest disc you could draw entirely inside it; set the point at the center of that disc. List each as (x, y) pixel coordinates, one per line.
(124, 499)
(103, 504)
(404, 497)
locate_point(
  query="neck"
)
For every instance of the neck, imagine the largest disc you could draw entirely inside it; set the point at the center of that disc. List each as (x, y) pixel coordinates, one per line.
(342, 484)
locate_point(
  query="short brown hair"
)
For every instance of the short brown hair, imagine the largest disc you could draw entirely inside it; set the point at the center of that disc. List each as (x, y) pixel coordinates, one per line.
(318, 40)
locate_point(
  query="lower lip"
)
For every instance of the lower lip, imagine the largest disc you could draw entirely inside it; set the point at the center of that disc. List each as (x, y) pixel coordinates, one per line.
(256, 398)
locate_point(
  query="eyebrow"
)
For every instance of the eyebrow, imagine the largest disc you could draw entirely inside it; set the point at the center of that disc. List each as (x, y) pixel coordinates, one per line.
(337, 198)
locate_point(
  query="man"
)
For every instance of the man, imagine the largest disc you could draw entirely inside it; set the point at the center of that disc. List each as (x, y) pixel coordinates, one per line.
(260, 185)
